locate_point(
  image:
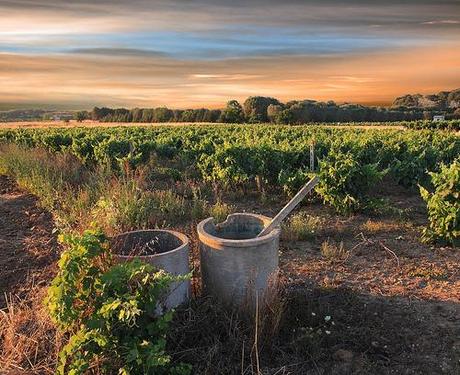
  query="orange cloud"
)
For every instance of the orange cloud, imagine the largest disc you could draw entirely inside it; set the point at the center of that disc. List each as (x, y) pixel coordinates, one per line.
(153, 81)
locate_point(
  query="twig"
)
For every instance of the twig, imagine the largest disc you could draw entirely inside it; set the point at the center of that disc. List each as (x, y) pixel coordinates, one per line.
(370, 242)
(390, 251)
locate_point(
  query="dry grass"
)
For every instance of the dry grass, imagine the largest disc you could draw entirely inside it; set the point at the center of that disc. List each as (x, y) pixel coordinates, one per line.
(219, 340)
(30, 342)
(373, 227)
(334, 252)
(301, 226)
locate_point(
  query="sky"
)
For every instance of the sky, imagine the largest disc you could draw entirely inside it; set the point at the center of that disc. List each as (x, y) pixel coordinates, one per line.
(202, 53)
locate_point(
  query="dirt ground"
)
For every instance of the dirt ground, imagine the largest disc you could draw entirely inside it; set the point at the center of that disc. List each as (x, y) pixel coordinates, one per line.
(28, 247)
(390, 306)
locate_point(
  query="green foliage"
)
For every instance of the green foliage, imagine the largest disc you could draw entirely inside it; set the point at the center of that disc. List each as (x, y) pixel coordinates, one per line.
(220, 210)
(125, 206)
(108, 311)
(301, 226)
(80, 116)
(453, 125)
(345, 182)
(255, 108)
(233, 113)
(275, 157)
(444, 205)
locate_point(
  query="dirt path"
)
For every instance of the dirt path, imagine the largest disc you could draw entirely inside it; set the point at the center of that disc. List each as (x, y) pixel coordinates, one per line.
(28, 247)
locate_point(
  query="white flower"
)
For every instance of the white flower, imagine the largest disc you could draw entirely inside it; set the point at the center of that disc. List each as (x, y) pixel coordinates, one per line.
(313, 314)
(327, 318)
(328, 332)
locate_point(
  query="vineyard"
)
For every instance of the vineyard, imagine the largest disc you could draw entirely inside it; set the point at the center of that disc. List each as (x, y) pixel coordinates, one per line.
(369, 263)
(349, 162)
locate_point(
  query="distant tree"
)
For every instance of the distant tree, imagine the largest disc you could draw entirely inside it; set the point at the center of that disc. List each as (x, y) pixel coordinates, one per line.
(273, 112)
(163, 114)
(98, 114)
(302, 112)
(211, 115)
(255, 108)
(177, 115)
(427, 115)
(233, 113)
(136, 114)
(81, 116)
(189, 115)
(147, 115)
(453, 99)
(200, 114)
(258, 109)
(286, 117)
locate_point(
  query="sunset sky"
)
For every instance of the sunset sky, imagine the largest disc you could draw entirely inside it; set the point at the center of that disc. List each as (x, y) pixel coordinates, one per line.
(77, 54)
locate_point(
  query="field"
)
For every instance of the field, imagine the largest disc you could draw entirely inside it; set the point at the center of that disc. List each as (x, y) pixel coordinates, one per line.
(370, 280)
(98, 124)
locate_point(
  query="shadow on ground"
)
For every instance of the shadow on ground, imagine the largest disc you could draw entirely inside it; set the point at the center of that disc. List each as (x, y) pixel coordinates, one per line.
(27, 246)
(324, 331)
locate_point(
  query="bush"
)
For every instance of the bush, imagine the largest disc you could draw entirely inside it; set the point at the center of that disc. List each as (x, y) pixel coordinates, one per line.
(345, 182)
(108, 311)
(444, 205)
(125, 205)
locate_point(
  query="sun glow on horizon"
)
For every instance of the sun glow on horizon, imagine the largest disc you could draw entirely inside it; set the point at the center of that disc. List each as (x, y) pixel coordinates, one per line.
(107, 53)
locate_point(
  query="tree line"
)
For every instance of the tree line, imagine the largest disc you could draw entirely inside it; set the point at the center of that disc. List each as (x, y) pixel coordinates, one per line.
(259, 109)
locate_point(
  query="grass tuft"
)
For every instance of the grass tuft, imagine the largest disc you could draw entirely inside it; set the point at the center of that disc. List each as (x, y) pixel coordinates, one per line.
(334, 252)
(220, 210)
(301, 226)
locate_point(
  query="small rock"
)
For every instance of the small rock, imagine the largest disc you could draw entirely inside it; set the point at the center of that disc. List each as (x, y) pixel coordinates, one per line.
(446, 368)
(343, 355)
(456, 346)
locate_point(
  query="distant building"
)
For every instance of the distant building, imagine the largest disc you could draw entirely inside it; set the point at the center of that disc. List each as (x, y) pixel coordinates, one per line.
(439, 118)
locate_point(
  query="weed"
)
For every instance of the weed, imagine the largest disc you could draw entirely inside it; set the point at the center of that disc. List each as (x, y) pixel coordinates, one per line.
(333, 252)
(198, 206)
(125, 206)
(105, 309)
(301, 226)
(431, 273)
(220, 210)
(371, 226)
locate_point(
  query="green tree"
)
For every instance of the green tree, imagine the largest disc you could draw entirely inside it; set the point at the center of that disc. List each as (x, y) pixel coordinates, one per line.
(233, 113)
(255, 108)
(81, 116)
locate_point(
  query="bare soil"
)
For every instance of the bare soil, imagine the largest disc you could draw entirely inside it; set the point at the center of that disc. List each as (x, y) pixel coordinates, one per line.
(28, 248)
(28, 255)
(392, 306)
